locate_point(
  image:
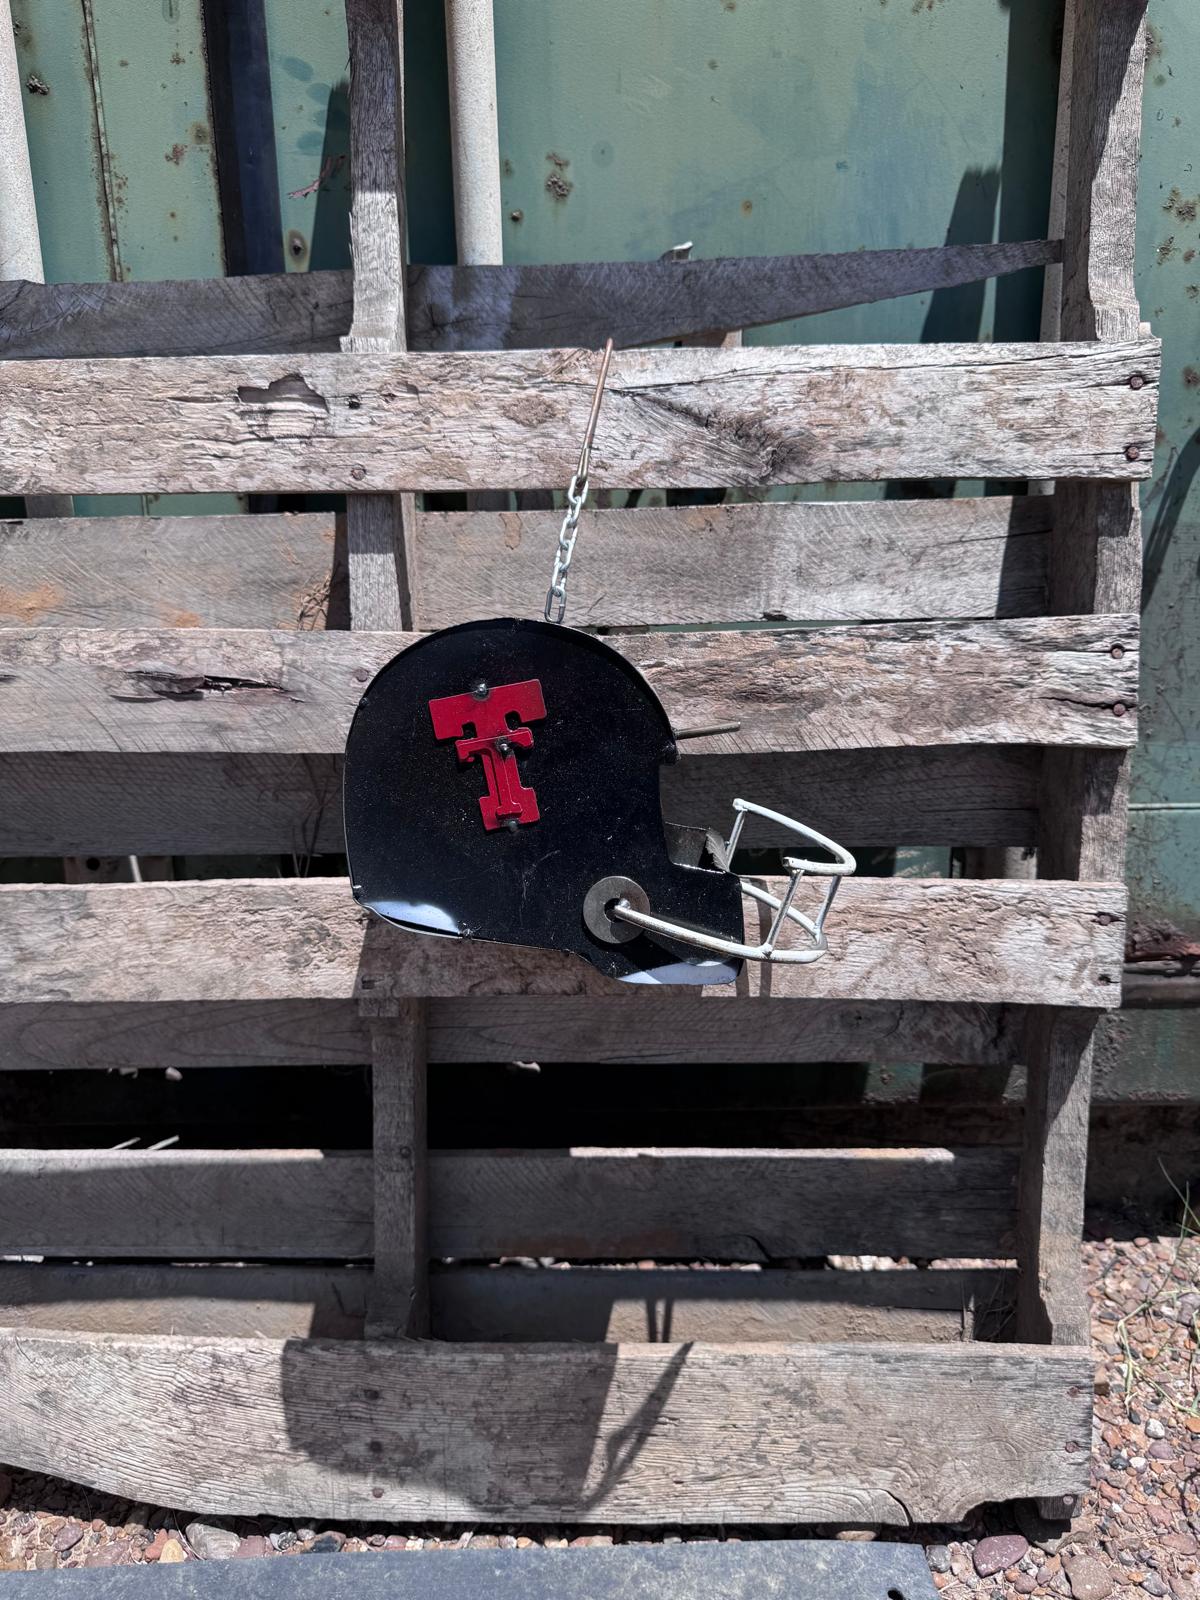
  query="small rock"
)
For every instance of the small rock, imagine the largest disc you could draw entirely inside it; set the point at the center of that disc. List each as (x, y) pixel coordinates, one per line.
(68, 1536)
(1088, 1576)
(354, 1546)
(1137, 1463)
(154, 1549)
(327, 1544)
(938, 1557)
(1024, 1584)
(211, 1542)
(375, 1540)
(414, 1544)
(1161, 1450)
(960, 1563)
(97, 1524)
(285, 1538)
(507, 1542)
(1182, 1543)
(306, 1533)
(45, 1561)
(524, 1542)
(856, 1535)
(591, 1541)
(1155, 1429)
(998, 1552)
(251, 1547)
(1153, 1584)
(115, 1554)
(486, 1541)
(172, 1554)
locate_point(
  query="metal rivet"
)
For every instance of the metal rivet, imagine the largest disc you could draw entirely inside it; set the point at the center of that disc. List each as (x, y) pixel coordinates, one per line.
(358, 473)
(1120, 709)
(1117, 652)
(480, 689)
(1137, 381)
(1133, 452)
(362, 673)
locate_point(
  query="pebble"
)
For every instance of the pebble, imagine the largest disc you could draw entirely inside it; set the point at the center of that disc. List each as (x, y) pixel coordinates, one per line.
(213, 1543)
(524, 1542)
(1153, 1584)
(327, 1544)
(375, 1540)
(1155, 1429)
(1160, 1450)
(1001, 1550)
(938, 1557)
(155, 1548)
(251, 1547)
(590, 1541)
(1024, 1584)
(172, 1554)
(68, 1536)
(1088, 1576)
(109, 1555)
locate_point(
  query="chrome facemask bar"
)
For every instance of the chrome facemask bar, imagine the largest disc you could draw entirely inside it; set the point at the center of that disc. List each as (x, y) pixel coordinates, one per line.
(797, 866)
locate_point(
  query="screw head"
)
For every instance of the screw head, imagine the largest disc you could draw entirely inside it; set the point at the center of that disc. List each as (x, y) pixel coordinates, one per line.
(358, 473)
(1117, 652)
(1120, 708)
(1133, 452)
(1137, 381)
(480, 689)
(362, 674)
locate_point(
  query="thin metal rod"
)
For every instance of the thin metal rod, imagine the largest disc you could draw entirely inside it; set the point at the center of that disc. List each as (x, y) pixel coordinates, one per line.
(589, 433)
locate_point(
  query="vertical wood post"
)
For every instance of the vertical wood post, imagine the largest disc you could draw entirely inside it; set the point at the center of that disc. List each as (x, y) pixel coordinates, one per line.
(378, 557)
(1095, 566)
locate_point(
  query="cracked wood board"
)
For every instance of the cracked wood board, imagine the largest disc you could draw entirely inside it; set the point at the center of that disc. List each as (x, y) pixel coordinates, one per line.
(586, 1204)
(751, 417)
(1040, 680)
(543, 1432)
(1032, 942)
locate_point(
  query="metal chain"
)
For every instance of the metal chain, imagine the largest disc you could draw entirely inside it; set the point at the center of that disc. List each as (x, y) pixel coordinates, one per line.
(555, 608)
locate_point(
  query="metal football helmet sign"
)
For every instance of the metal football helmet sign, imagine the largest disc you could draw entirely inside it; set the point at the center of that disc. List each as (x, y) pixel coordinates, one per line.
(502, 783)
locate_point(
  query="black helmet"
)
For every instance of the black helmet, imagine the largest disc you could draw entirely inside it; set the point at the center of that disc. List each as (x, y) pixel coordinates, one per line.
(502, 783)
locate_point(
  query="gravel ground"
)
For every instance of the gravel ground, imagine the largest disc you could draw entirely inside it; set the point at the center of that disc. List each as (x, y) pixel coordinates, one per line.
(1138, 1531)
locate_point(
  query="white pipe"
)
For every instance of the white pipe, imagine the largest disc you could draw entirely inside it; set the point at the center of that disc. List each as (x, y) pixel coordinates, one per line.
(474, 132)
(20, 243)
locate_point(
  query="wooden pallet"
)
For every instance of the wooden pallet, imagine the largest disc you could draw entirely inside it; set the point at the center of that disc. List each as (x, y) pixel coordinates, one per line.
(173, 687)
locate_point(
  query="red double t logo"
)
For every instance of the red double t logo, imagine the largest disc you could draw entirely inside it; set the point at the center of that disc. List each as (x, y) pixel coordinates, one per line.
(487, 712)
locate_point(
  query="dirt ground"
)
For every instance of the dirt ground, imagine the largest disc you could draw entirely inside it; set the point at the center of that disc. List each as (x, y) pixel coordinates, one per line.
(1138, 1531)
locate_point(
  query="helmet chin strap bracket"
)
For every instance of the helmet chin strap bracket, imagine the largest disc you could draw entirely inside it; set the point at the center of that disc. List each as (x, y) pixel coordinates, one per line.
(631, 907)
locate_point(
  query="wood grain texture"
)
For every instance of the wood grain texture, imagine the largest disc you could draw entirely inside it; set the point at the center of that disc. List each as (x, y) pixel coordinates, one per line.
(275, 1302)
(890, 939)
(774, 561)
(602, 1205)
(68, 803)
(1037, 680)
(479, 308)
(711, 1305)
(399, 1304)
(512, 1305)
(610, 1433)
(377, 423)
(274, 571)
(283, 312)
(297, 1033)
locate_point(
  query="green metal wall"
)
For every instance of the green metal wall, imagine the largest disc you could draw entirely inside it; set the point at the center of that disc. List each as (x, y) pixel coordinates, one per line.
(749, 127)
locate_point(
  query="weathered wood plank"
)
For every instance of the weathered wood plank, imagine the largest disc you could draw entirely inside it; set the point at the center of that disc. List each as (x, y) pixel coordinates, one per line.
(276, 571)
(553, 1433)
(603, 1205)
(891, 939)
(481, 308)
(711, 1305)
(1037, 680)
(774, 561)
(399, 1304)
(377, 423)
(834, 561)
(512, 1305)
(71, 803)
(275, 1302)
(298, 1033)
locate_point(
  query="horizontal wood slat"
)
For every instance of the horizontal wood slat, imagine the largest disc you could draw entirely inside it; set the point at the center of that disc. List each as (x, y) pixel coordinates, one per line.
(272, 571)
(585, 1204)
(610, 1433)
(1019, 941)
(747, 417)
(822, 561)
(513, 1304)
(100, 803)
(1038, 680)
(776, 561)
(295, 1033)
(483, 307)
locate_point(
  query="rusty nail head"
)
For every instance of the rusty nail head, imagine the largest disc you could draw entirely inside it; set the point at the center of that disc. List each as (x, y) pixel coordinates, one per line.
(1117, 651)
(1133, 452)
(362, 673)
(358, 473)
(1119, 709)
